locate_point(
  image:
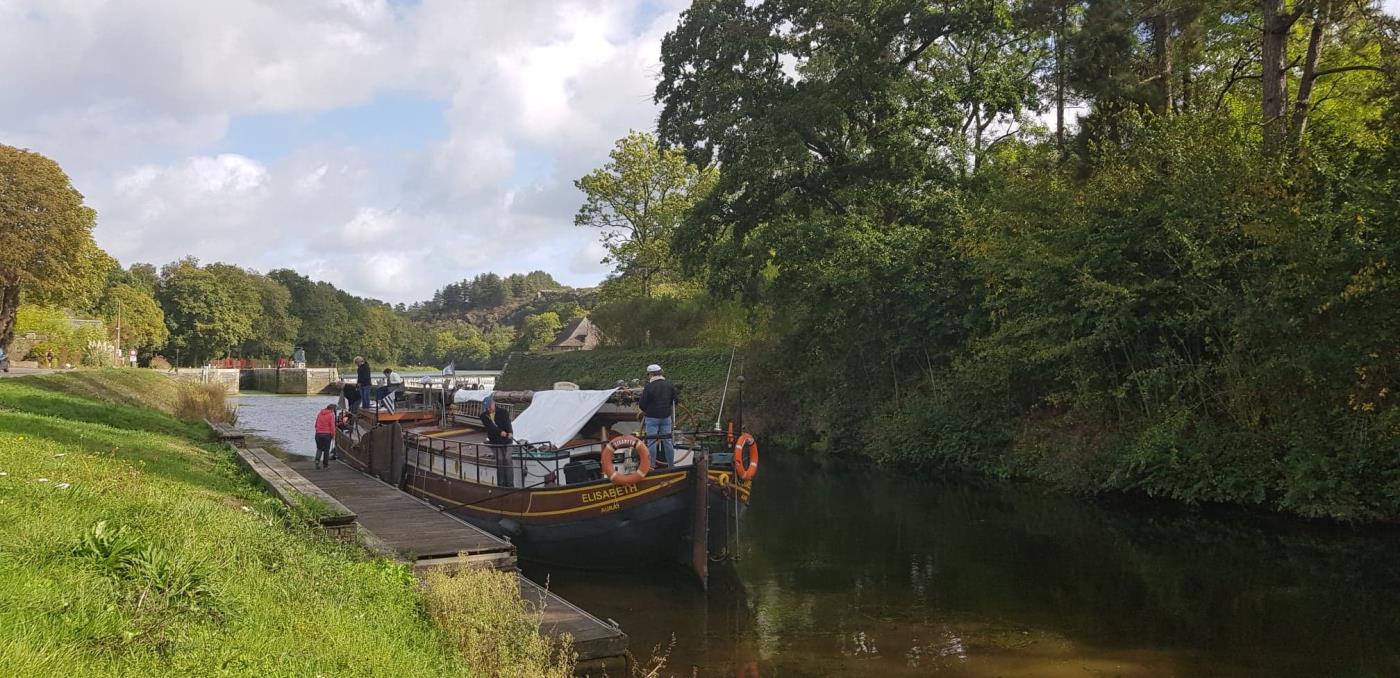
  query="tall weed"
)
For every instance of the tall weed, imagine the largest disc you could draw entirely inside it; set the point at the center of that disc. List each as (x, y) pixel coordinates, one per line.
(495, 630)
(204, 401)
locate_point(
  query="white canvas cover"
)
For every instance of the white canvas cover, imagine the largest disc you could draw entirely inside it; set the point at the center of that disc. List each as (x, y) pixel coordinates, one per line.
(557, 416)
(469, 395)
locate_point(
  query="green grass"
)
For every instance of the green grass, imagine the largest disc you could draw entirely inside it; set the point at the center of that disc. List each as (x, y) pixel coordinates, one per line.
(314, 508)
(698, 372)
(130, 547)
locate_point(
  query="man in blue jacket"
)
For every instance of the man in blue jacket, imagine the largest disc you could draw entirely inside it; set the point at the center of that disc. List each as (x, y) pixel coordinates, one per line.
(362, 379)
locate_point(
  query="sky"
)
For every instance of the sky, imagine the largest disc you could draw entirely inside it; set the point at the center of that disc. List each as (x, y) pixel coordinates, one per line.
(386, 146)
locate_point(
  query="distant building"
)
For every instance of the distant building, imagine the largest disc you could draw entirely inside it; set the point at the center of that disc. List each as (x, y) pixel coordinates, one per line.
(579, 335)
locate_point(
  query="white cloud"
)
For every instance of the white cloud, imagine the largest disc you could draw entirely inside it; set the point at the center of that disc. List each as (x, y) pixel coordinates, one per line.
(134, 99)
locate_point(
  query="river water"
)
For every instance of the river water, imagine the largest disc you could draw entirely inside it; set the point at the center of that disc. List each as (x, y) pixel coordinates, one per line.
(843, 573)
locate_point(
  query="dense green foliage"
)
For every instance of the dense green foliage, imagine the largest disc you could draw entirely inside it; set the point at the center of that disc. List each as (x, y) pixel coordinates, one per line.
(1167, 297)
(698, 373)
(111, 508)
(196, 313)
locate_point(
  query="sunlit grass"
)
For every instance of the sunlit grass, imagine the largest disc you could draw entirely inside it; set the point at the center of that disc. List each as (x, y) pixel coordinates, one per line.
(129, 548)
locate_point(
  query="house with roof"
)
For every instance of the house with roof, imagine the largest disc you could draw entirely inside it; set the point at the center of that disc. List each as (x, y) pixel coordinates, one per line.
(578, 335)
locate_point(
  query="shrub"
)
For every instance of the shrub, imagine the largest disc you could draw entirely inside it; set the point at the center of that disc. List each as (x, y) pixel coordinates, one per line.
(204, 401)
(496, 631)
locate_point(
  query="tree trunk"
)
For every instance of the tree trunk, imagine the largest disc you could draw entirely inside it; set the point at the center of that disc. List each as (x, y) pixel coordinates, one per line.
(1060, 76)
(1273, 77)
(1303, 104)
(9, 307)
(1162, 57)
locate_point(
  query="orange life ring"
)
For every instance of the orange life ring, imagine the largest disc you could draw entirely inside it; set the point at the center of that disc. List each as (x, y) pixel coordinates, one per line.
(621, 443)
(745, 467)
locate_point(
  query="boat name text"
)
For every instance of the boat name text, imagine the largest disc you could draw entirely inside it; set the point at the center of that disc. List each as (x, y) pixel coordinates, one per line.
(608, 494)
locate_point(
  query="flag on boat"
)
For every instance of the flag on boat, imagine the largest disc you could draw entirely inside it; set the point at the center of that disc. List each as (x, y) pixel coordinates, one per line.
(450, 370)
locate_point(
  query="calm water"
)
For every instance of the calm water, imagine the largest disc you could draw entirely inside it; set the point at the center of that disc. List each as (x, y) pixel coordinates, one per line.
(869, 574)
(287, 419)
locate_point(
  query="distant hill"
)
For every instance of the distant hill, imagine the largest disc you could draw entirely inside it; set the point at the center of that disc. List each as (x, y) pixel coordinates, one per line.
(488, 301)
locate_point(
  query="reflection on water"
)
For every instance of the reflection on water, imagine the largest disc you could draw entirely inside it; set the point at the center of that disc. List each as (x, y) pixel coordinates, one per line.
(846, 574)
(869, 574)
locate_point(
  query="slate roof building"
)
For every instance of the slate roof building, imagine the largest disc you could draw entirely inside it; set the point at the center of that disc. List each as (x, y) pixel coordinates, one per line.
(579, 335)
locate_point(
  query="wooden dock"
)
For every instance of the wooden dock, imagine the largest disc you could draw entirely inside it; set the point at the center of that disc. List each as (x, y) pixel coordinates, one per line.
(293, 489)
(408, 528)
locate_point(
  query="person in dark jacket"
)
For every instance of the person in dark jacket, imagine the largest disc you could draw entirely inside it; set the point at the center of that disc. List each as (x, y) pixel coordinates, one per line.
(362, 379)
(325, 433)
(499, 434)
(351, 393)
(658, 406)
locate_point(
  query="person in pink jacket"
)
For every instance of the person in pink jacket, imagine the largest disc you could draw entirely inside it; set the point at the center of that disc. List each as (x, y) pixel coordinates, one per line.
(325, 433)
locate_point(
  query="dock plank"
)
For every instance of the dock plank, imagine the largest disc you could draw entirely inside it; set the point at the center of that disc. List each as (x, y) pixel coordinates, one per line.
(286, 484)
(405, 525)
(400, 521)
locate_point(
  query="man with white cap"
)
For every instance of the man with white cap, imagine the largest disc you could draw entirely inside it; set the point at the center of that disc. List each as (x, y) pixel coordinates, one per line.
(658, 404)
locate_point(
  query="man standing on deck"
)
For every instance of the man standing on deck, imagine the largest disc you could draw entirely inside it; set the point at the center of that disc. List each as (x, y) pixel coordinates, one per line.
(499, 434)
(362, 379)
(658, 404)
(325, 433)
(393, 384)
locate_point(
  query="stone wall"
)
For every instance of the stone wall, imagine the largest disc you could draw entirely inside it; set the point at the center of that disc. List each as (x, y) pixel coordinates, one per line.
(292, 379)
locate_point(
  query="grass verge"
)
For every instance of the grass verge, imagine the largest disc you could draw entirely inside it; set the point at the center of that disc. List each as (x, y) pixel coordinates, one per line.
(129, 547)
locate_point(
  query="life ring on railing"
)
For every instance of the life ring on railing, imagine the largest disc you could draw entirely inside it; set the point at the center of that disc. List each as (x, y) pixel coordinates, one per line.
(745, 468)
(622, 443)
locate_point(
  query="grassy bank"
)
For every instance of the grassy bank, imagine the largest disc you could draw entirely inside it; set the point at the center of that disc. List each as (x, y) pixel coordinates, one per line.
(698, 372)
(130, 547)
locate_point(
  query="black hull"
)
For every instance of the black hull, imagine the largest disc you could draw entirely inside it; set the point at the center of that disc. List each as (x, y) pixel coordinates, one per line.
(632, 538)
(627, 539)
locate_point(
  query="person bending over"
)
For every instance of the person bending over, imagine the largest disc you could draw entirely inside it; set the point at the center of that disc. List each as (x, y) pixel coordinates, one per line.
(325, 435)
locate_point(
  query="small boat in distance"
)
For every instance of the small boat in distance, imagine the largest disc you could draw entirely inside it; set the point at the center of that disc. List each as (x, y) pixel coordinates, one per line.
(578, 488)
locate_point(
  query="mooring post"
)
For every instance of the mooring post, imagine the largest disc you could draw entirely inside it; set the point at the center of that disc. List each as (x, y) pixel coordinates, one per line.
(700, 519)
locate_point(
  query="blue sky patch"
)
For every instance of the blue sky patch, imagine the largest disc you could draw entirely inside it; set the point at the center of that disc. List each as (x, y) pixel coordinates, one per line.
(393, 121)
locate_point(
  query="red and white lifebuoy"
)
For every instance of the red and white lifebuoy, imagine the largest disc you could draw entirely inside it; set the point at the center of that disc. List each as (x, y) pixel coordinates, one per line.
(622, 443)
(745, 465)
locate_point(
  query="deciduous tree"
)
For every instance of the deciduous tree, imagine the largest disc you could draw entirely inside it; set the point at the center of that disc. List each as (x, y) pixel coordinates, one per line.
(637, 199)
(47, 254)
(141, 319)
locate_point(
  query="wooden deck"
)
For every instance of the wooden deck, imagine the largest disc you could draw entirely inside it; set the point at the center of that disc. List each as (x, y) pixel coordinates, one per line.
(409, 527)
(417, 532)
(403, 414)
(290, 487)
(225, 433)
(404, 527)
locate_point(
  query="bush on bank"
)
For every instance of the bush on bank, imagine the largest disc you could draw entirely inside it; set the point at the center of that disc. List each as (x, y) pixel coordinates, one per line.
(699, 372)
(128, 548)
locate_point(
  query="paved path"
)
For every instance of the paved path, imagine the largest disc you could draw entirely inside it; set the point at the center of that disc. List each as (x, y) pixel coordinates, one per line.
(26, 371)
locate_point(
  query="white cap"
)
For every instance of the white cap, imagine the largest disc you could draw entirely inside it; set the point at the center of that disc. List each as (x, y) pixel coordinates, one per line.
(653, 368)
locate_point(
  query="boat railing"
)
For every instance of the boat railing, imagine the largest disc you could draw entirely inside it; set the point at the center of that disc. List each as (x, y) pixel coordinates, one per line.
(509, 465)
(523, 465)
